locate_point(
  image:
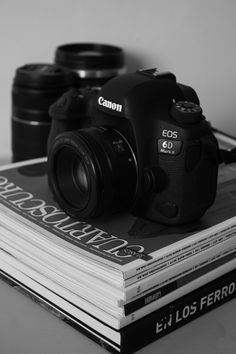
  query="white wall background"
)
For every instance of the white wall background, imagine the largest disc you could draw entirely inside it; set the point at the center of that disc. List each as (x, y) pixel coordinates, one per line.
(195, 39)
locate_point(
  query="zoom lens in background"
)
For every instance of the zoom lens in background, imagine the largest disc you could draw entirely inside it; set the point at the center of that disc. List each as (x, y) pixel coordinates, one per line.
(35, 88)
(93, 64)
(92, 172)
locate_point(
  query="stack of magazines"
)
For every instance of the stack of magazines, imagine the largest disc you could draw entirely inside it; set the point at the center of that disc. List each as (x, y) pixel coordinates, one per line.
(121, 280)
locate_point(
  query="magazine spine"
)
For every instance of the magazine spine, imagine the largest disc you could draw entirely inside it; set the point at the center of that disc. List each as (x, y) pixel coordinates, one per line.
(178, 313)
(158, 292)
(176, 270)
(176, 294)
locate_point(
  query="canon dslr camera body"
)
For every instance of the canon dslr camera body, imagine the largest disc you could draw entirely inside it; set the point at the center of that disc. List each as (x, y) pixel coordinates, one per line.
(148, 150)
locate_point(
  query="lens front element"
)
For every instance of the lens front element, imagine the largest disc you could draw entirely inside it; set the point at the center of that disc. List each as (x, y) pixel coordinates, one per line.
(72, 178)
(80, 176)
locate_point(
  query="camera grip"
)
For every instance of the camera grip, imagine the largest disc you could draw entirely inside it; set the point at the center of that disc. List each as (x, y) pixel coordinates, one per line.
(191, 186)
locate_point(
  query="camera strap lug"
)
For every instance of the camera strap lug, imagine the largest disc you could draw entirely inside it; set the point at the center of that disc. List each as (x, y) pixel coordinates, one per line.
(226, 156)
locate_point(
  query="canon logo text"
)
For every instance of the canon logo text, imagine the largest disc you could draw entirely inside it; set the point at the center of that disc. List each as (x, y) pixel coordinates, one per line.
(108, 104)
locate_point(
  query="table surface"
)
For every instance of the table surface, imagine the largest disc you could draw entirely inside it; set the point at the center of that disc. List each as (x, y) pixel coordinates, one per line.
(27, 328)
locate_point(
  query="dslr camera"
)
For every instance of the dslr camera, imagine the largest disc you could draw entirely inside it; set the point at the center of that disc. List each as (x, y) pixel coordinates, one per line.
(147, 149)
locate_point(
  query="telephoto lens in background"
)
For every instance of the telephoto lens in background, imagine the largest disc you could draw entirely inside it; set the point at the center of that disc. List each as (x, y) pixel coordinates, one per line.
(35, 88)
(93, 64)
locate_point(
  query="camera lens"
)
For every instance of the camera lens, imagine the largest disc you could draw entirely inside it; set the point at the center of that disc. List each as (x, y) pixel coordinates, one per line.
(93, 64)
(35, 88)
(92, 172)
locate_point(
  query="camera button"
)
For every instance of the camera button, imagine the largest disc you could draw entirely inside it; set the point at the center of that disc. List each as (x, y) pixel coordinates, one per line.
(155, 179)
(167, 209)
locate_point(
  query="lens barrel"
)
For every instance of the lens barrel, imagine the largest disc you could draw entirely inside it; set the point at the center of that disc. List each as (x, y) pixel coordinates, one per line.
(92, 172)
(35, 88)
(93, 64)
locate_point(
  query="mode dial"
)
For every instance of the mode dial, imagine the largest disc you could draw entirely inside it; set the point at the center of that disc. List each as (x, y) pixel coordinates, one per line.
(186, 112)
